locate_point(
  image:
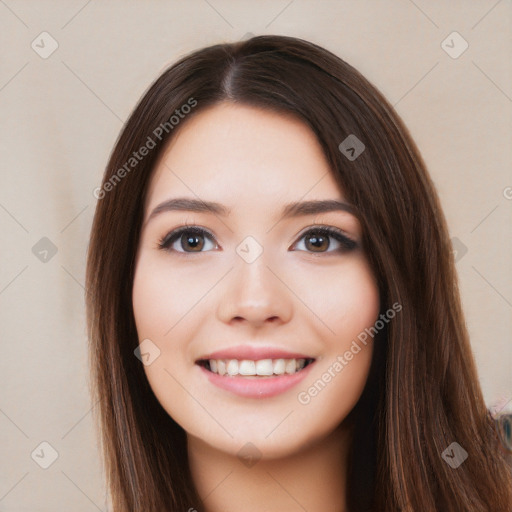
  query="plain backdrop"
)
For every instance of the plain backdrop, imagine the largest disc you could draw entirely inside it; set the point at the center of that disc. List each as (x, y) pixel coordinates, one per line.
(60, 116)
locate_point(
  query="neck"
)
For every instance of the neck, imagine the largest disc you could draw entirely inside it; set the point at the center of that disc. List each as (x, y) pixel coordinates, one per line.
(312, 479)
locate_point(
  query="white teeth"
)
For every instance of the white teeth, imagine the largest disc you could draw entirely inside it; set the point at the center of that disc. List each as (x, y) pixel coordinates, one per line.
(290, 366)
(221, 367)
(262, 367)
(246, 367)
(279, 366)
(232, 367)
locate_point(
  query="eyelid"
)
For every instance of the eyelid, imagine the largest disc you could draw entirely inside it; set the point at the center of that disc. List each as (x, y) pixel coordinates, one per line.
(327, 227)
(174, 235)
(346, 241)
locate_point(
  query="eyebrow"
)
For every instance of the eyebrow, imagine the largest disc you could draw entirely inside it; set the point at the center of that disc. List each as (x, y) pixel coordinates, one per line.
(295, 209)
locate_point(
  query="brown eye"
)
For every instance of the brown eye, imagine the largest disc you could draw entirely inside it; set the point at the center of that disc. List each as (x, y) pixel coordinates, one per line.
(195, 242)
(190, 239)
(319, 240)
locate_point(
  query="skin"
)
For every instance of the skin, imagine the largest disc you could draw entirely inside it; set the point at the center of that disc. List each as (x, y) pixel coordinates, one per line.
(192, 303)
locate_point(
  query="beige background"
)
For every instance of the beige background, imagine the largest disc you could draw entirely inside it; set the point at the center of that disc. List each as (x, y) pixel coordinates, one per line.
(61, 115)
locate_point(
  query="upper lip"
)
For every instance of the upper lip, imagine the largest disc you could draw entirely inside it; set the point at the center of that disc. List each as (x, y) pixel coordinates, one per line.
(255, 353)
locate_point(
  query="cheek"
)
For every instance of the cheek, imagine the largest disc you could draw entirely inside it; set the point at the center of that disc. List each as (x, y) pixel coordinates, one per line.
(165, 306)
(349, 305)
(163, 296)
(355, 301)
(161, 300)
(159, 312)
(346, 301)
(147, 299)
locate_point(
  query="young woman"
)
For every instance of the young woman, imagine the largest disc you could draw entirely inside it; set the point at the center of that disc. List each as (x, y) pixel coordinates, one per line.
(273, 309)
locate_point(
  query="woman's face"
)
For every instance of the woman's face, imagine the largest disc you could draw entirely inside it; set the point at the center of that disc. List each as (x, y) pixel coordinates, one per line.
(265, 286)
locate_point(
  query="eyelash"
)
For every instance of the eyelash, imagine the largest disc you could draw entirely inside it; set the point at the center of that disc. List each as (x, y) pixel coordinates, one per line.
(346, 243)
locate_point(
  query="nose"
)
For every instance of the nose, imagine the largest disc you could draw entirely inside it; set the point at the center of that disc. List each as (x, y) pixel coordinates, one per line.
(253, 293)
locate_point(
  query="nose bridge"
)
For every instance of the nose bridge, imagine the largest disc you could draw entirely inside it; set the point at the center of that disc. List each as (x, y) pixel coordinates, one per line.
(252, 290)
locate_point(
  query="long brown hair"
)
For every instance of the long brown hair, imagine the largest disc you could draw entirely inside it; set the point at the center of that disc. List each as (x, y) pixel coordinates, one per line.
(422, 394)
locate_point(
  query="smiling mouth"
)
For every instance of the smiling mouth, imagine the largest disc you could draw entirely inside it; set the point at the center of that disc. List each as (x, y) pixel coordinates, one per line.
(254, 368)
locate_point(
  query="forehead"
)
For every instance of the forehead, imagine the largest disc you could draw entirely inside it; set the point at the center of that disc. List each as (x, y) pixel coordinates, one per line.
(235, 154)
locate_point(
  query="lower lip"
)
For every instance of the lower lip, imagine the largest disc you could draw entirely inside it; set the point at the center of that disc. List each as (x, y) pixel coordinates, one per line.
(258, 387)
